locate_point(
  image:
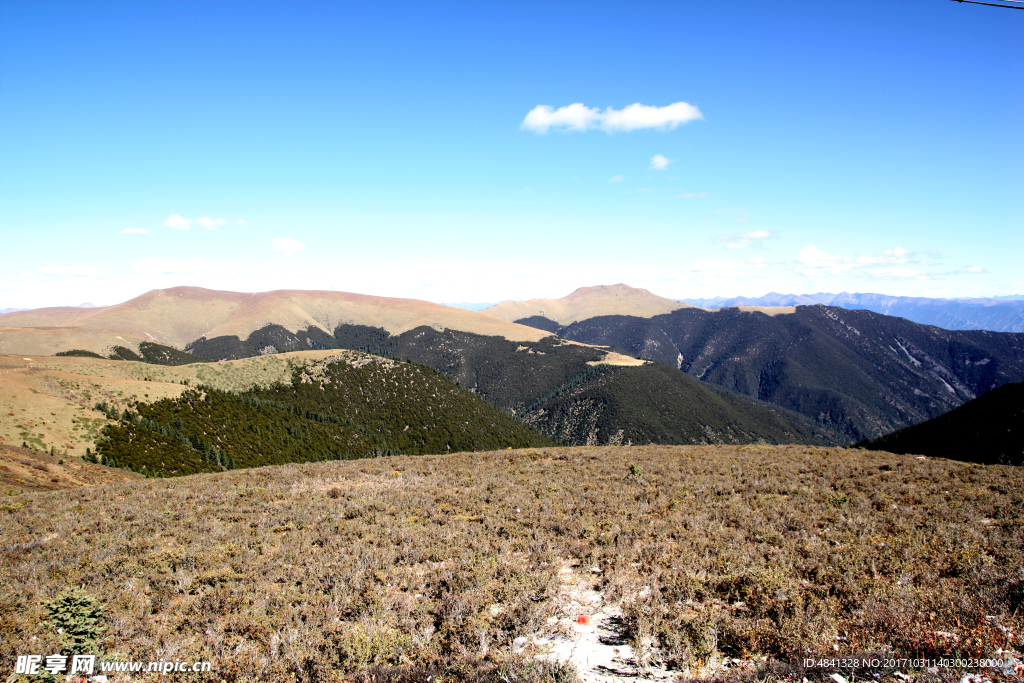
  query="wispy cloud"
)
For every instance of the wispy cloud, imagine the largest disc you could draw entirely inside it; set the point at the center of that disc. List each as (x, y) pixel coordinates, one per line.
(578, 116)
(814, 262)
(287, 245)
(177, 222)
(973, 269)
(889, 256)
(898, 273)
(163, 266)
(135, 231)
(722, 267)
(891, 264)
(81, 271)
(616, 179)
(660, 162)
(747, 239)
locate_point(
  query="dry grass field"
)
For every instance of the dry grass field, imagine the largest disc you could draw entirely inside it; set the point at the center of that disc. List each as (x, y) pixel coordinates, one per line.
(470, 566)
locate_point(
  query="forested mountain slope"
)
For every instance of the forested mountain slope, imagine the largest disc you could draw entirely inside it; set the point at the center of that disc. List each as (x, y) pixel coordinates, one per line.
(987, 430)
(345, 407)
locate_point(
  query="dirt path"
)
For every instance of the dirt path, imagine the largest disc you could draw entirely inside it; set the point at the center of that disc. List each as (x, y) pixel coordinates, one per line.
(598, 650)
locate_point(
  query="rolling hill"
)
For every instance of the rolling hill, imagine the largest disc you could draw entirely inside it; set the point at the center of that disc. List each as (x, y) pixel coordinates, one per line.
(588, 302)
(177, 316)
(858, 373)
(987, 430)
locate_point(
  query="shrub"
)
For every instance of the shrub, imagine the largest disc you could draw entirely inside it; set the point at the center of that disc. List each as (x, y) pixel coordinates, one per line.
(77, 618)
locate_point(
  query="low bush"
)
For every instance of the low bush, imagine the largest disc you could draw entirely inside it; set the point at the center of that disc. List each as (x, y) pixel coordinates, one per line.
(400, 568)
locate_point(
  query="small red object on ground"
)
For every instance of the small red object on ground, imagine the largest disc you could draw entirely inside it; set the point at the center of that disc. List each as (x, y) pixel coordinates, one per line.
(583, 620)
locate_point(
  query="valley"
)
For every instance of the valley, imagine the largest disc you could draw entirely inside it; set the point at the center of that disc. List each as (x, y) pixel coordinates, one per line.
(858, 373)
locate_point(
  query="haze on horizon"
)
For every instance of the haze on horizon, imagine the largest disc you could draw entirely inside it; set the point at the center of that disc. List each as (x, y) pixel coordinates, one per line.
(468, 152)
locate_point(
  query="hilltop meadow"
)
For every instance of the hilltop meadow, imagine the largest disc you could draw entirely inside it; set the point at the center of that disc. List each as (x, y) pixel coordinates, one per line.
(466, 566)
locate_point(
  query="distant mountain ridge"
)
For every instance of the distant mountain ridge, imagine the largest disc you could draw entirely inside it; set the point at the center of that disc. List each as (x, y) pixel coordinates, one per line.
(859, 373)
(179, 315)
(1003, 314)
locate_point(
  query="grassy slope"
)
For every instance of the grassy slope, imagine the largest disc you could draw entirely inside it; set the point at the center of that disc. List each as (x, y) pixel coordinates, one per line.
(858, 373)
(349, 406)
(989, 429)
(304, 570)
(49, 401)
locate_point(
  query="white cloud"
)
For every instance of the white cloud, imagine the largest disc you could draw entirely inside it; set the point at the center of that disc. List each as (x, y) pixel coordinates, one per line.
(578, 116)
(178, 222)
(28, 274)
(287, 245)
(973, 269)
(638, 116)
(135, 231)
(660, 162)
(210, 223)
(616, 179)
(747, 239)
(240, 222)
(157, 265)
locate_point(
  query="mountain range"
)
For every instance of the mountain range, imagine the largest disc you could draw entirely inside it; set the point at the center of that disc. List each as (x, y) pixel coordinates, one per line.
(1004, 314)
(180, 315)
(603, 365)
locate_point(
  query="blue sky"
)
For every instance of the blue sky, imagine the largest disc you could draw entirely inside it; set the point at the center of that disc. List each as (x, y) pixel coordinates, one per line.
(381, 148)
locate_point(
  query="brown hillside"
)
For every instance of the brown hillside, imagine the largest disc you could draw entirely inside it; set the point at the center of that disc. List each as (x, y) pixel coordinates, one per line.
(180, 315)
(589, 302)
(46, 341)
(25, 469)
